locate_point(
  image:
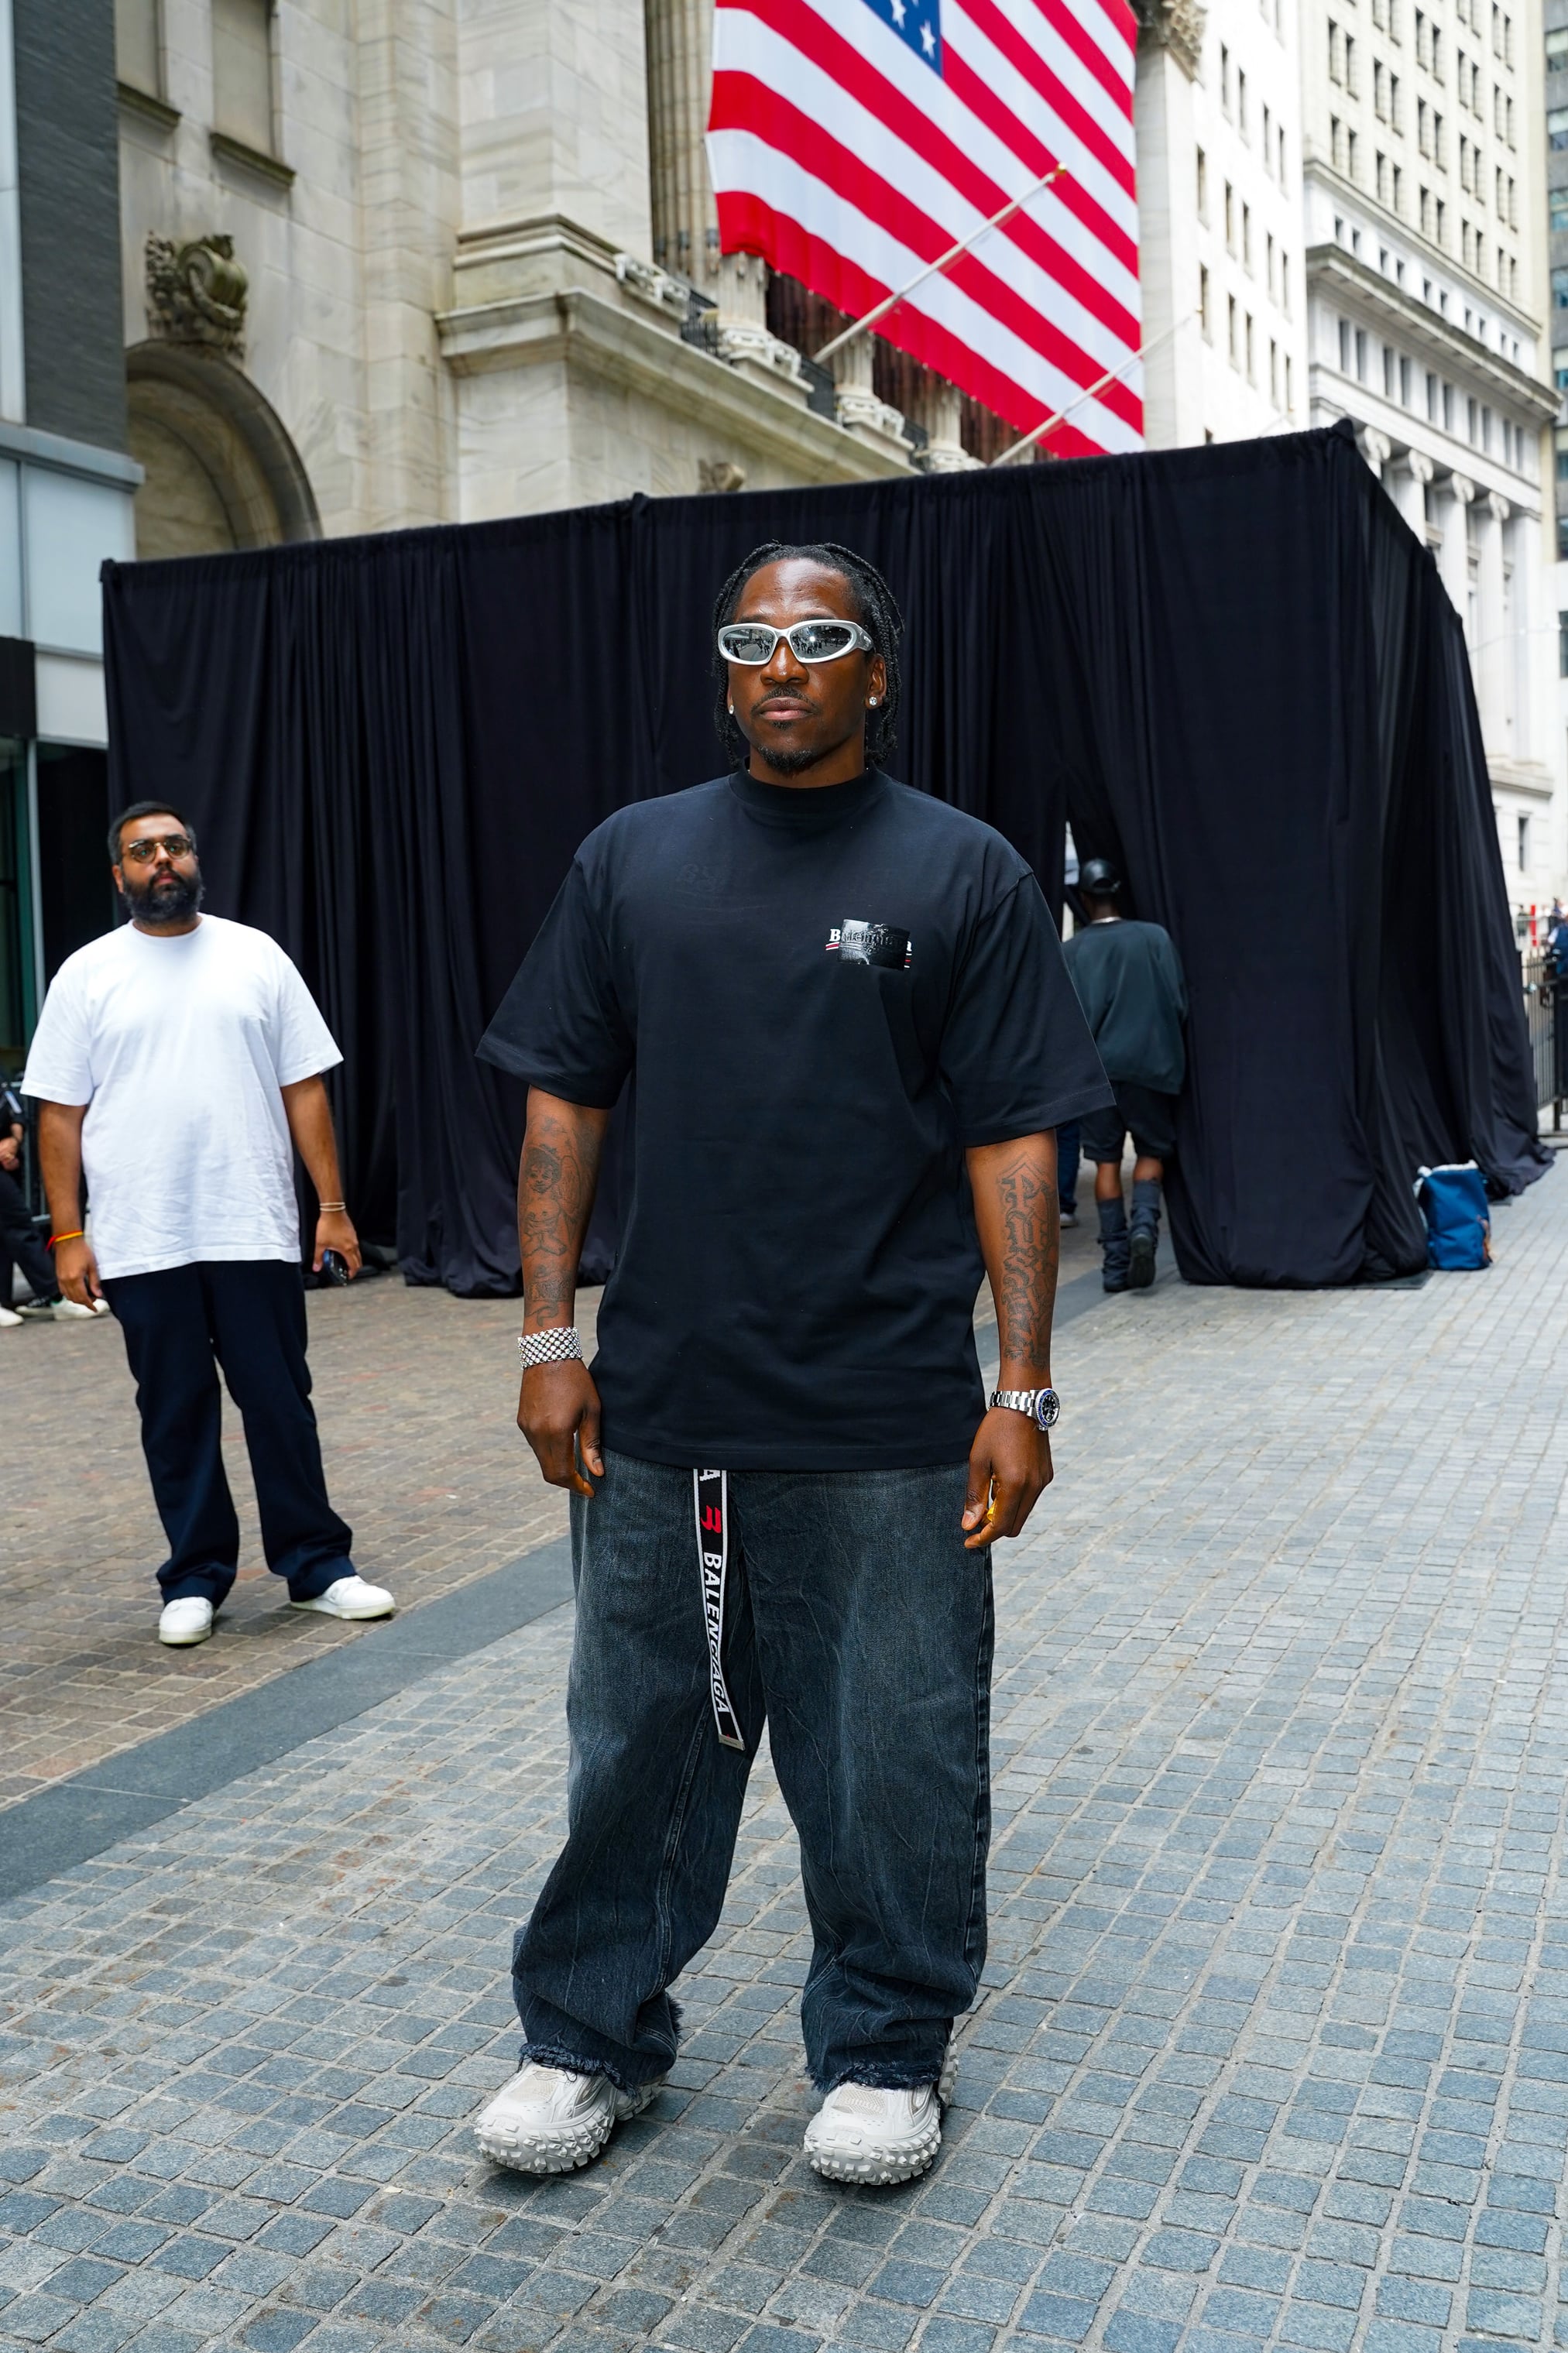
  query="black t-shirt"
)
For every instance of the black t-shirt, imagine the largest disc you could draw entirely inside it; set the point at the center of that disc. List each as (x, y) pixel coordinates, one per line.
(1130, 983)
(825, 995)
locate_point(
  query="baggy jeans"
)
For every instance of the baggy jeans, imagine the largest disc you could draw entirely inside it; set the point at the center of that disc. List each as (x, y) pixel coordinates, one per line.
(861, 1630)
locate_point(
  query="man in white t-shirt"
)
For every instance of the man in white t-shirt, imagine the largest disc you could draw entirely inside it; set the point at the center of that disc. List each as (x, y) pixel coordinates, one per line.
(176, 1059)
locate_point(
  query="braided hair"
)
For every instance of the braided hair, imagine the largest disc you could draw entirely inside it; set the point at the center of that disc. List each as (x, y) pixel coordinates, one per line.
(875, 610)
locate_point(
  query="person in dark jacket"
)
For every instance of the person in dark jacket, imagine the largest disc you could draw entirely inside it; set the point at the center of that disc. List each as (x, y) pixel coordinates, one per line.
(1130, 984)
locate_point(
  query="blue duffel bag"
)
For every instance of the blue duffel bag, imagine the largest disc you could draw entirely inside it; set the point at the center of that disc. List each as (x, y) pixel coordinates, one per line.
(1458, 1224)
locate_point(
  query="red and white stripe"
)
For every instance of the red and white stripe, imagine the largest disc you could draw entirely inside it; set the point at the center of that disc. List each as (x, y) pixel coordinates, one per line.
(848, 162)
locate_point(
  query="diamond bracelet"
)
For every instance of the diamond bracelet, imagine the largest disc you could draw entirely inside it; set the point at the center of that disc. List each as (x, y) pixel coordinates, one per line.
(559, 1345)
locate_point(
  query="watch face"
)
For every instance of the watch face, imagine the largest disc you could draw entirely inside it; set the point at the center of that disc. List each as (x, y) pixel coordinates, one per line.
(1047, 1408)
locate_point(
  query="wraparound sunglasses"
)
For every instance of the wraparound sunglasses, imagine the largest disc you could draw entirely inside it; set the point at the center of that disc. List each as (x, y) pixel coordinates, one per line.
(751, 643)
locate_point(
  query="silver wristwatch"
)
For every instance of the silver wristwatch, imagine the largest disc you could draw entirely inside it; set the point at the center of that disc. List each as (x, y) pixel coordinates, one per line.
(1043, 1407)
(561, 1345)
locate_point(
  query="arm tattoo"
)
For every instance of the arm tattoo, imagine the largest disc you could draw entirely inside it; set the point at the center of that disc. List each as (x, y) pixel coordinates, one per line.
(556, 1187)
(1031, 1242)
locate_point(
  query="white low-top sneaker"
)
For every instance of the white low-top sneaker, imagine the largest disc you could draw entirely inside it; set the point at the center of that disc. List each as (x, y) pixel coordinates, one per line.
(864, 2133)
(8, 1318)
(350, 1597)
(549, 2120)
(184, 1622)
(69, 1311)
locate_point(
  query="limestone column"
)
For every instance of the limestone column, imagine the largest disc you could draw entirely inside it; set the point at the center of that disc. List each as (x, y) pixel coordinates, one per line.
(941, 412)
(1489, 654)
(1375, 447)
(858, 410)
(1454, 554)
(685, 217)
(1405, 481)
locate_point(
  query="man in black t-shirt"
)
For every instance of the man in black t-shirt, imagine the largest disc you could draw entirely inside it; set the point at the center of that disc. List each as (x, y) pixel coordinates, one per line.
(1129, 982)
(853, 1037)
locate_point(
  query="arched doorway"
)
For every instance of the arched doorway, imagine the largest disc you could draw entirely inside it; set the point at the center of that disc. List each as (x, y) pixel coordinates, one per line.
(221, 471)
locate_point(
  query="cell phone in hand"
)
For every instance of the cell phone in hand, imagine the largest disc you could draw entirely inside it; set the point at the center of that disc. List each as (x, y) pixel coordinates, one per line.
(334, 1268)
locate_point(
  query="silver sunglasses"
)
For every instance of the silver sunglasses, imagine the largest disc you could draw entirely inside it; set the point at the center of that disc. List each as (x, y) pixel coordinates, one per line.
(752, 643)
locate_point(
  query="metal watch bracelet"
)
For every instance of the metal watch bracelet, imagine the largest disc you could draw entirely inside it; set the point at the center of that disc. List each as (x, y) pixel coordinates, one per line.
(1043, 1407)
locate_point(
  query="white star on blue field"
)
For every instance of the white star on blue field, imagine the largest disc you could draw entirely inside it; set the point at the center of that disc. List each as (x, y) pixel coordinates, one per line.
(918, 24)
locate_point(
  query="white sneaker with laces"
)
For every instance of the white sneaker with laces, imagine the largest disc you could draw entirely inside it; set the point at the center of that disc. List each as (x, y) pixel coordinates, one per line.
(8, 1317)
(550, 2120)
(863, 2133)
(350, 1597)
(68, 1310)
(184, 1622)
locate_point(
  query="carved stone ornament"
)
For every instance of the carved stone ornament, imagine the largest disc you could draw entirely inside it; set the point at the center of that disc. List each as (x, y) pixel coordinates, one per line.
(1174, 25)
(196, 293)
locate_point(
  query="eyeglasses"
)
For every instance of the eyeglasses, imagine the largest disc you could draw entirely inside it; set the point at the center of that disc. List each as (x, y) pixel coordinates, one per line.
(142, 852)
(751, 643)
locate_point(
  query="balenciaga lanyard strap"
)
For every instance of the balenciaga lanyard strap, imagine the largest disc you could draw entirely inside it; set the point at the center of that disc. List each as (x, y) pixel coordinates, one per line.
(710, 1490)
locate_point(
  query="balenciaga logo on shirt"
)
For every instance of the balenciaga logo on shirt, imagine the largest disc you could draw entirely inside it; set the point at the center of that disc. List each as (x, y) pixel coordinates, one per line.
(883, 944)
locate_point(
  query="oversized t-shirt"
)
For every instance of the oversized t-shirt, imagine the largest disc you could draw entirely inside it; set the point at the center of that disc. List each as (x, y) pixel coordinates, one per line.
(824, 994)
(178, 1047)
(1129, 982)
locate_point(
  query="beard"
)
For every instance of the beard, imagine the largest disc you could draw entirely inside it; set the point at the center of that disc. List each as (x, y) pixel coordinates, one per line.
(166, 899)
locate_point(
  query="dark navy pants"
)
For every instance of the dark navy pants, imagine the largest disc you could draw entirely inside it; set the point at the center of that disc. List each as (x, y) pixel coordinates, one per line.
(248, 1317)
(20, 1246)
(860, 1627)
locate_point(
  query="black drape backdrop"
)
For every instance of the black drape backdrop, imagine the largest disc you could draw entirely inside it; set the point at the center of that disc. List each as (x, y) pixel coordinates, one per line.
(1234, 668)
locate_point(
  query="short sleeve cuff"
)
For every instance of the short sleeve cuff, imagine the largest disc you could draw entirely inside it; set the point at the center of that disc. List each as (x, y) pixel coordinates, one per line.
(594, 1090)
(1005, 1125)
(312, 1068)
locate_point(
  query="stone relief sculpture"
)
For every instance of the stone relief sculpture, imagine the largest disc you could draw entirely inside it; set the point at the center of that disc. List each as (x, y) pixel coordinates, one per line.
(196, 293)
(1174, 25)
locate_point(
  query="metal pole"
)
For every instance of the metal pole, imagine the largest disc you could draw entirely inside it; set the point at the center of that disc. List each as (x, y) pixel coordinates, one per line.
(1060, 415)
(933, 269)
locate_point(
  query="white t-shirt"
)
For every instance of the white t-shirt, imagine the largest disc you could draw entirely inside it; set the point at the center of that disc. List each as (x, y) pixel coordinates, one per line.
(178, 1048)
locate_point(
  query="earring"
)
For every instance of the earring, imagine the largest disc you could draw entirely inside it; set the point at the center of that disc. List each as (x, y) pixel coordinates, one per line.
(874, 701)
(732, 711)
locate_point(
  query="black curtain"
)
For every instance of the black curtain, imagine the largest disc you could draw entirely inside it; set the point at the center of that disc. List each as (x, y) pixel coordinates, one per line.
(1234, 668)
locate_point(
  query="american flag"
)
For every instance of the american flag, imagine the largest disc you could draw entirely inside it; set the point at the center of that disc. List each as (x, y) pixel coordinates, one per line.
(852, 141)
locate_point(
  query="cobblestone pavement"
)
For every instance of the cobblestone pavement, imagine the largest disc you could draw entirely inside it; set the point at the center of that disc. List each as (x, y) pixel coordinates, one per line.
(1273, 2049)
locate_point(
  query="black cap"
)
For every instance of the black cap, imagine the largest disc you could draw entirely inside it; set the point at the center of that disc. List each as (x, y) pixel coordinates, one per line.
(1097, 879)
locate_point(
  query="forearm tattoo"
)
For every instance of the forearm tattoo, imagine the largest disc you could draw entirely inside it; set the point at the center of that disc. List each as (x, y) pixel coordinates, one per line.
(555, 1200)
(1030, 1224)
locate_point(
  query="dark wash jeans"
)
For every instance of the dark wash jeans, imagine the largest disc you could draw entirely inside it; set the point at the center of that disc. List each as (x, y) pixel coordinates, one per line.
(862, 1629)
(248, 1315)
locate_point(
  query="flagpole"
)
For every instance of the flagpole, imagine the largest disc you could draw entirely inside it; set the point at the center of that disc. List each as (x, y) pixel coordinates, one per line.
(1060, 415)
(934, 268)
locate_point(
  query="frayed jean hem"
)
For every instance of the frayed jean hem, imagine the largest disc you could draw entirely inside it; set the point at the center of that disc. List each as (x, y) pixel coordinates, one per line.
(556, 2054)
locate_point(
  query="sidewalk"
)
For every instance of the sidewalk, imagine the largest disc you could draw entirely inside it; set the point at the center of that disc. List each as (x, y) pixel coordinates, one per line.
(1274, 2044)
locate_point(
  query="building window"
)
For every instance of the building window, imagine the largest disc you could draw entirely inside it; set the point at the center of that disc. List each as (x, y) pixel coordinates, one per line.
(1559, 367)
(1470, 422)
(1344, 347)
(1404, 384)
(1387, 372)
(1240, 103)
(242, 71)
(1203, 303)
(1487, 430)
(1229, 216)
(1448, 408)
(1361, 355)
(1562, 645)
(1202, 185)
(138, 46)
(1560, 438)
(1224, 78)
(1289, 389)
(1557, 50)
(1233, 333)
(1563, 539)
(1523, 824)
(1560, 290)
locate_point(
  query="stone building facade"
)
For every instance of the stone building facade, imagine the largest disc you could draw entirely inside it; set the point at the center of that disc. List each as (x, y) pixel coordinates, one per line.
(1426, 235)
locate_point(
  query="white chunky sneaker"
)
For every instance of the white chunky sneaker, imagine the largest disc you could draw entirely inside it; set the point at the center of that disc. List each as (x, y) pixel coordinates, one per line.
(549, 2120)
(184, 1622)
(350, 1597)
(862, 2134)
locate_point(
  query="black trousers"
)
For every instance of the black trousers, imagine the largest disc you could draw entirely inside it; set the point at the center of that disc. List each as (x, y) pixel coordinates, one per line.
(20, 1246)
(248, 1317)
